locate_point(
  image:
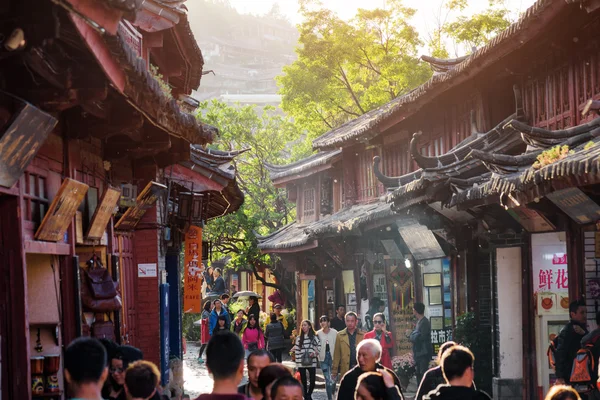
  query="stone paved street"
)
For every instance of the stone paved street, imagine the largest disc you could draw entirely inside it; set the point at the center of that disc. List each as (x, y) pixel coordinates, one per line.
(198, 381)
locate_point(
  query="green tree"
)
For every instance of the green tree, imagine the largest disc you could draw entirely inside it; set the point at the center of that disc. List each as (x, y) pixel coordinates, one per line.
(478, 29)
(345, 69)
(266, 208)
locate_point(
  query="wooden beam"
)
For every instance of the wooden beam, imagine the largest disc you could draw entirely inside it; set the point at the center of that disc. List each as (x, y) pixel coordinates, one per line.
(310, 245)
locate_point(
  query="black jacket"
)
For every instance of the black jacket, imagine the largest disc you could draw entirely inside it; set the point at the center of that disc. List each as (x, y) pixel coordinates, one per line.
(447, 392)
(349, 381)
(337, 324)
(432, 379)
(569, 342)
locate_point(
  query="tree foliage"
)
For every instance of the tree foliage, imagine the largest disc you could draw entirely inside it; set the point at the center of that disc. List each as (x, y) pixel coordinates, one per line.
(265, 209)
(346, 68)
(478, 29)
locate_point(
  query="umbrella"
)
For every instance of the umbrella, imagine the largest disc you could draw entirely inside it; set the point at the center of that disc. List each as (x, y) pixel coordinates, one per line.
(246, 293)
(210, 297)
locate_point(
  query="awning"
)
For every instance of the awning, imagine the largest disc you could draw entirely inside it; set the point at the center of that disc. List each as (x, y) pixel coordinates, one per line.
(420, 240)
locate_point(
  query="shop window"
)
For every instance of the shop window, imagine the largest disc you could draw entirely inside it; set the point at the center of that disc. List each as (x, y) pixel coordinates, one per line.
(35, 197)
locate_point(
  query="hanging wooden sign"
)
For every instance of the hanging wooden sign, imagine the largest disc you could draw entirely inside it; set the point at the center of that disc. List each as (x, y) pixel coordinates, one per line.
(576, 205)
(61, 211)
(103, 213)
(144, 202)
(21, 139)
(193, 270)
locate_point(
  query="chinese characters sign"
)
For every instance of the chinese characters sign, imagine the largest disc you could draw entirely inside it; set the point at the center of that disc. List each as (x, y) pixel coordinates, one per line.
(193, 270)
(550, 273)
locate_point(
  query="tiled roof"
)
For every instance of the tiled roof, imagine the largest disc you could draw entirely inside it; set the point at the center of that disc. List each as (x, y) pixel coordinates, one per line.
(315, 160)
(343, 222)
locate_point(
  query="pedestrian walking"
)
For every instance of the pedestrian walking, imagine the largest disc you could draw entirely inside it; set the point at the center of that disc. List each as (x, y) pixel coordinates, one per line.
(123, 356)
(368, 355)
(286, 388)
(257, 361)
(277, 308)
(221, 324)
(421, 341)
(274, 337)
(569, 341)
(225, 361)
(592, 340)
(269, 375)
(209, 279)
(86, 368)
(217, 311)
(327, 336)
(344, 355)
(307, 349)
(378, 385)
(562, 392)
(253, 307)
(239, 323)
(384, 337)
(339, 321)
(377, 306)
(434, 376)
(141, 381)
(253, 337)
(225, 300)
(204, 329)
(457, 367)
(219, 283)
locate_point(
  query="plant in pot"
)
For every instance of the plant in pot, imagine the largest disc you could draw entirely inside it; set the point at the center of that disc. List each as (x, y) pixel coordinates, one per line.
(405, 368)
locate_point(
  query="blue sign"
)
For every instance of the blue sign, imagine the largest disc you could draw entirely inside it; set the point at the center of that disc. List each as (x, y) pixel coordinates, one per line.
(164, 334)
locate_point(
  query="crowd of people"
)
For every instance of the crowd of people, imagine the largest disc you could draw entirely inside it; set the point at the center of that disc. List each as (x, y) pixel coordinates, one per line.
(96, 370)
(101, 369)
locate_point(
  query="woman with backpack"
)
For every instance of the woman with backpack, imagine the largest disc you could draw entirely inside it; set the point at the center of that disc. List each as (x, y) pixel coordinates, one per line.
(307, 349)
(274, 335)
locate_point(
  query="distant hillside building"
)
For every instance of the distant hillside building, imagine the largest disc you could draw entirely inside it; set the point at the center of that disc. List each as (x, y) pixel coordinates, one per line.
(246, 55)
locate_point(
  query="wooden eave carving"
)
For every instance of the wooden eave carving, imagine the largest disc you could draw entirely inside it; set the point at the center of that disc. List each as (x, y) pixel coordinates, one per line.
(61, 211)
(103, 213)
(144, 202)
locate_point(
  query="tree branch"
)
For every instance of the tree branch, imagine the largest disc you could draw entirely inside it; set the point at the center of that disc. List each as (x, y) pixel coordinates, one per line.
(349, 87)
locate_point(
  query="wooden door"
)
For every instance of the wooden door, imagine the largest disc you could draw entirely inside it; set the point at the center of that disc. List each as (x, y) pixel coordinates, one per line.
(127, 281)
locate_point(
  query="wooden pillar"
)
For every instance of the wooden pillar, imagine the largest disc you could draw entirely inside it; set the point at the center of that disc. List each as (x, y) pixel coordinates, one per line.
(14, 327)
(576, 262)
(527, 316)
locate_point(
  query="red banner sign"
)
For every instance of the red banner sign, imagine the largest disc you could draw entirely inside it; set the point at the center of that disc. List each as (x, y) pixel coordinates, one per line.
(193, 271)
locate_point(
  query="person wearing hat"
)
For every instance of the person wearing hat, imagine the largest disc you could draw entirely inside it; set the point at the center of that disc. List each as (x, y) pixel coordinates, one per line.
(277, 308)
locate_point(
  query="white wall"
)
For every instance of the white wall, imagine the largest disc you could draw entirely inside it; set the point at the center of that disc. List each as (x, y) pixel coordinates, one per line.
(509, 312)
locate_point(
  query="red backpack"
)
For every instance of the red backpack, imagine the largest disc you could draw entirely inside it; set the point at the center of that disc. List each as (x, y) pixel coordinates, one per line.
(582, 373)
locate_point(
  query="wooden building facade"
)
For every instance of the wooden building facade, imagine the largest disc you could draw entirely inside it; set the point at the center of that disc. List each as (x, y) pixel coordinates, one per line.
(514, 232)
(95, 154)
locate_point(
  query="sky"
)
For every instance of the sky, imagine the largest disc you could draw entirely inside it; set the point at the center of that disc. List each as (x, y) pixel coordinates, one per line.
(346, 9)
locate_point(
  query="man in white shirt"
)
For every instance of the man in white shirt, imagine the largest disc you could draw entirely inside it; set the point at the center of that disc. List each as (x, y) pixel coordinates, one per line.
(327, 337)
